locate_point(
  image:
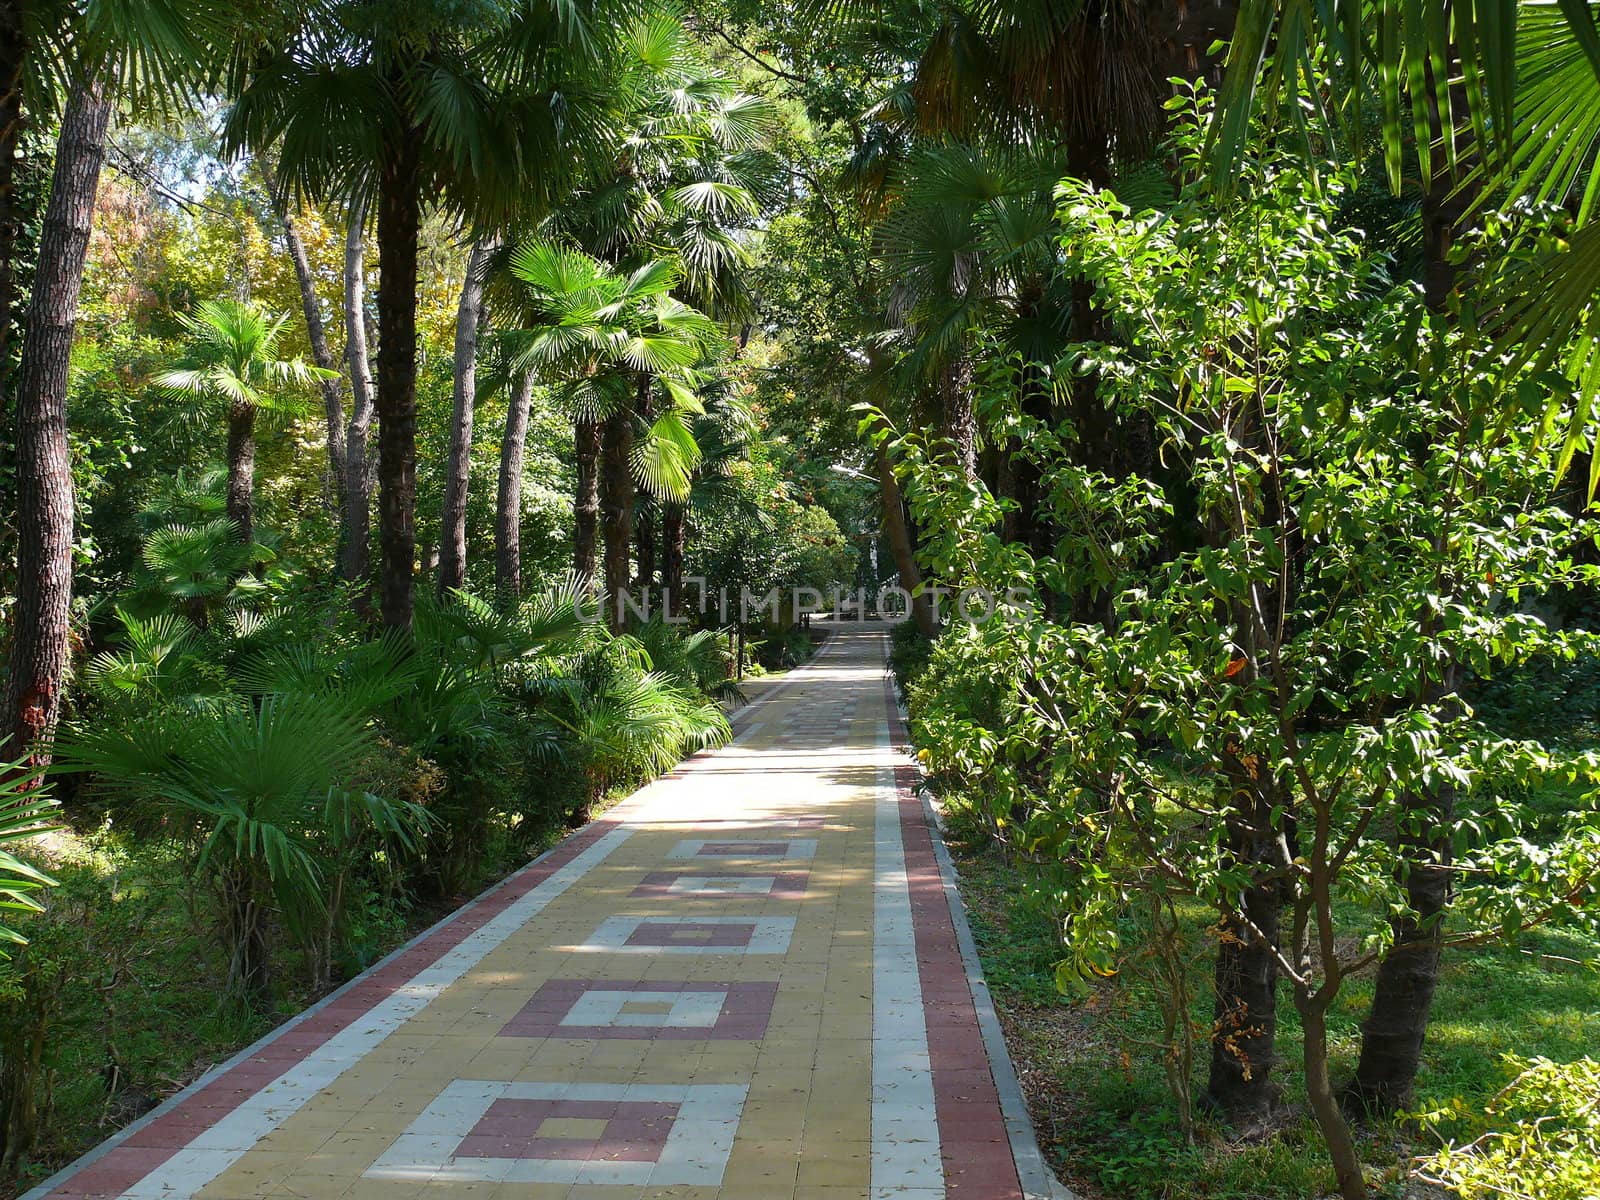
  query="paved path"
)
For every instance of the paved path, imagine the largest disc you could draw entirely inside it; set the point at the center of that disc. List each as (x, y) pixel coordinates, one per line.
(744, 983)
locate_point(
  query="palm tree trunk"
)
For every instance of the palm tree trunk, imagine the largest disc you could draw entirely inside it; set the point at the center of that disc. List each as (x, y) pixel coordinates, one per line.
(317, 335)
(674, 537)
(644, 538)
(616, 510)
(356, 535)
(13, 58)
(644, 528)
(458, 469)
(43, 462)
(241, 501)
(1244, 1040)
(905, 557)
(586, 503)
(508, 499)
(399, 220)
(1402, 999)
(1408, 975)
(960, 425)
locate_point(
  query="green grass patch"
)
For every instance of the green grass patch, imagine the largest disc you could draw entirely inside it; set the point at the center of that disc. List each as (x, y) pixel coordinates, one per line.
(1099, 1095)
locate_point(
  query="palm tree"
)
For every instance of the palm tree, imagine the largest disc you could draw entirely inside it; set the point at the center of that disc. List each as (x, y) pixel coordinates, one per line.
(25, 812)
(258, 788)
(623, 342)
(232, 368)
(486, 112)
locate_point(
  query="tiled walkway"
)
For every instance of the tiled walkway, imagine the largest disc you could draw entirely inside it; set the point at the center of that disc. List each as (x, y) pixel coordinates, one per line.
(744, 983)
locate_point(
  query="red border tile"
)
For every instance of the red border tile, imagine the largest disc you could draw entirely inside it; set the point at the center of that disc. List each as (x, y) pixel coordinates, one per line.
(973, 1142)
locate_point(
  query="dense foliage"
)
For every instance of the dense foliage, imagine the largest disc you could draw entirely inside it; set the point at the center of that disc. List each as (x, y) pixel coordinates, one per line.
(1234, 473)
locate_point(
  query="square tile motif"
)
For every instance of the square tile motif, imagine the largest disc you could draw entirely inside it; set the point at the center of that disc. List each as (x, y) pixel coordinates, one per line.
(594, 1008)
(792, 848)
(788, 885)
(698, 935)
(622, 1134)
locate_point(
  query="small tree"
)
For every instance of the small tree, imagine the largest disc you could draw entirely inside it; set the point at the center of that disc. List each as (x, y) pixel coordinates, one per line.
(1358, 494)
(232, 368)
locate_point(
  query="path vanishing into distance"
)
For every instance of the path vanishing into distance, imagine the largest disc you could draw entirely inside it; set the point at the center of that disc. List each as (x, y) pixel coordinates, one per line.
(751, 980)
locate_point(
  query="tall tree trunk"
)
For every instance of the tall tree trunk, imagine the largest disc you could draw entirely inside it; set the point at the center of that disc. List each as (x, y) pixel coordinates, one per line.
(960, 425)
(13, 59)
(644, 539)
(508, 498)
(586, 503)
(674, 537)
(356, 536)
(616, 510)
(1246, 1014)
(317, 335)
(44, 466)
(241, 500)
(644, 528)
(1396, 1026)
(900, 545)
(458, 470)
(399, 219)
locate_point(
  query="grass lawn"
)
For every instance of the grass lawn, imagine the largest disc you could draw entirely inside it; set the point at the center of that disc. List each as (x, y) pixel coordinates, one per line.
(1091, 1063)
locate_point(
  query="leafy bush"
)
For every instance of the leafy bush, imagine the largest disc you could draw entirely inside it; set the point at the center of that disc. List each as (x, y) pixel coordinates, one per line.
(1540, 1137)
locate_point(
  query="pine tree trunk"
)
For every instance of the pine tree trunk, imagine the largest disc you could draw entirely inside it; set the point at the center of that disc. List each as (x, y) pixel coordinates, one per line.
(508, 498)
(399, 219)
(458, 470)
(616, 511)
(13, 59)
(586, 502)
(356, 534)
(41, 619)
(241, 501)
(674, 537)
(317, 335)
(905, 557)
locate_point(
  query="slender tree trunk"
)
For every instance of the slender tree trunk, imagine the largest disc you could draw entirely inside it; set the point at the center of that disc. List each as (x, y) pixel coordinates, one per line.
(905, 557)
(674, 537)
(508, 499)
(586, 503)
(44, 468)
(1324, 1105)
(458, 470)
(241, 501)
(616, 510)
(13, 59)
(399, 219)
(356, 536)
(317, 335)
